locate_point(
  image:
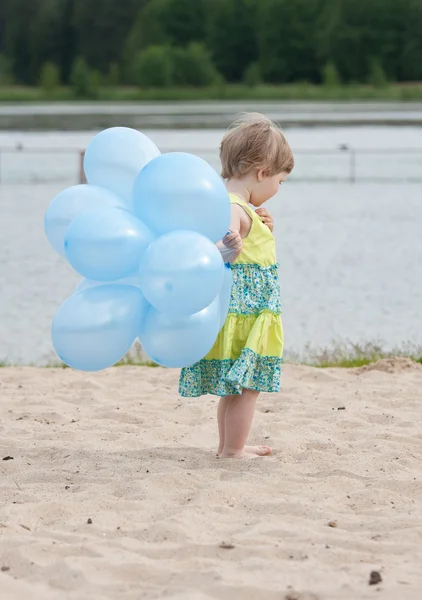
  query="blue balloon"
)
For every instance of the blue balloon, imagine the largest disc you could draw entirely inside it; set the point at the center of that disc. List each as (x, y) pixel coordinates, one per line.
(89, 283)
(179, 341)
(115, 157)
(69, 204)
(106, 245)
(95, 328)
(181, 272)
(225, 294)
(182, 191)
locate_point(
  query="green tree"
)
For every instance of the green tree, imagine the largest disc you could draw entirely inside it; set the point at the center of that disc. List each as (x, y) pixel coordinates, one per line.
(166, 23)
(231, 36)
(101, 28)
(84, 82)
(377, 76)
(193, 66)
(153, 67)
(252, 76)
(113, 76)
(6, 77)
(50, 77)
(287, 39)
(330, 76)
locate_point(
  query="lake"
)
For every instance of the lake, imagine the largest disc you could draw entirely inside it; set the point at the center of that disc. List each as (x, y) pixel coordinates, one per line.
(350, 254)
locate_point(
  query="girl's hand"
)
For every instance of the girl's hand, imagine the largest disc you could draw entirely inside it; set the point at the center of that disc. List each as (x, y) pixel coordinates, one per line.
(265, 217)
(230, 246)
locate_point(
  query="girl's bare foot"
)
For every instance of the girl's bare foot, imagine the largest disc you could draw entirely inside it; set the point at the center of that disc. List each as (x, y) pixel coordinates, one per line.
(256, 450)
(259, 450)
(247, 452)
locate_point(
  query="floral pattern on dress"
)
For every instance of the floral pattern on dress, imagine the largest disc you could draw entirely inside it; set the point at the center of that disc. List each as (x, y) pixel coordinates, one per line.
(255, 289)
(228, 377)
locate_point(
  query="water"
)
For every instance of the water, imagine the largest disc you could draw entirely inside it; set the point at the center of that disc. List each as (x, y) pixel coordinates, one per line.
(71, 116)
(350, 255)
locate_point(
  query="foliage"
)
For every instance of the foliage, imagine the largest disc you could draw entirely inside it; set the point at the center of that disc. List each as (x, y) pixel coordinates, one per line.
(6, 77)
(84, 82)
(153, 67)
(377, 76)
(50, 77)
(193, 66)
(254, 41)
(253, 76)
(330, 75)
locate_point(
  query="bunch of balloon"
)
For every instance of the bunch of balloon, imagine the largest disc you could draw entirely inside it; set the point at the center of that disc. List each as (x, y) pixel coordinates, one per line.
(142, 232)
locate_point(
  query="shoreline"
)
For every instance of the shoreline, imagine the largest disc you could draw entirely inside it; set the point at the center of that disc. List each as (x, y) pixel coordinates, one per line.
(206, 114)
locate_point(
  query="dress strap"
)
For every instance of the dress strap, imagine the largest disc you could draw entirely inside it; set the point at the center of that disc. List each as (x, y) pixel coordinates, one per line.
(245, 205)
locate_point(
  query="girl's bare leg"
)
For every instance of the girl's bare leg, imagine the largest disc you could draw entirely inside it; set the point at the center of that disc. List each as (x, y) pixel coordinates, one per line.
(239, 413)
(221, 418)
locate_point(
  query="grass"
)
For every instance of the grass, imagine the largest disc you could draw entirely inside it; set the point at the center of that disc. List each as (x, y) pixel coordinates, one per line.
(350, 355)
(296, 91)
(135, 357)
(339, 355)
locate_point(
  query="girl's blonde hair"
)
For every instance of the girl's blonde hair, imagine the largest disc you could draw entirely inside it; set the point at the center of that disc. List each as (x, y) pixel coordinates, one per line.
(254, 142)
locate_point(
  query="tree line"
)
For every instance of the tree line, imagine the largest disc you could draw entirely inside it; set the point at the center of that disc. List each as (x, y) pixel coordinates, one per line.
(162, 43)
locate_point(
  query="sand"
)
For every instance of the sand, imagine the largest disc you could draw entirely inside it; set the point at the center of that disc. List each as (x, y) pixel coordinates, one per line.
(114, 491)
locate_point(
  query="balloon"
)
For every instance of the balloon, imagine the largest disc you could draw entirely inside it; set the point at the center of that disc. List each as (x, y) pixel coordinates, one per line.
(96, 327)
(181, 272)
(225, 294)
(106, 245)
(114, 158)
(182, 191)
(89, 283)
(179, 341)
(69, 204)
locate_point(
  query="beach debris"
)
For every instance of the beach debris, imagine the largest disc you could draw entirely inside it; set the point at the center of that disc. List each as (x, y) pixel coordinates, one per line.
(301, 596)
(5, 568)
(8, 458)
(226, 546)
(89, 521)
(332, 523)
(375, 578)
(341, 408)
(25, 527)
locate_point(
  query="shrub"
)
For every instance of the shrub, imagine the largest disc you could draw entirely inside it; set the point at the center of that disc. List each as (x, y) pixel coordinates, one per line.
(377, 76)
(113, 76)
(252, 76)
(193, 66)
(153, 67)
(84, 83)
(6, 77)
(50, 77)
(330, 75)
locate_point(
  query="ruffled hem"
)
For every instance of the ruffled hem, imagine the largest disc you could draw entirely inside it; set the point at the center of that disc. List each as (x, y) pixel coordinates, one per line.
(229, 377)
(262, 334)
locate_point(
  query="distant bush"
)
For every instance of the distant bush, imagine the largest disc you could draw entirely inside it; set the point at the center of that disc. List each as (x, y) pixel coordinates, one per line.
(113, 76)
(252, 76)
(6, 77)
(166, 66)
(193, 66)
(330, 75)
(84, 82)
(50, 77)
(153, 67)
(377, 76)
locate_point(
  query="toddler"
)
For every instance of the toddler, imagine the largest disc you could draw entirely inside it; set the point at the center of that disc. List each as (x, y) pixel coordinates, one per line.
(247, 355)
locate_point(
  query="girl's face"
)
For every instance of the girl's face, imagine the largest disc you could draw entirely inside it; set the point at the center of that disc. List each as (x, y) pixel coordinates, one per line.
(266, 187)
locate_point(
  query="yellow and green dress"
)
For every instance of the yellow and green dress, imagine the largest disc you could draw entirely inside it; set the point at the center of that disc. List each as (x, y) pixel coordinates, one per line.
(248, 351)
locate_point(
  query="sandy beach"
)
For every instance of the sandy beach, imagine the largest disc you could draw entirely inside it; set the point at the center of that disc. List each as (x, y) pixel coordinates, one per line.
(110, 488)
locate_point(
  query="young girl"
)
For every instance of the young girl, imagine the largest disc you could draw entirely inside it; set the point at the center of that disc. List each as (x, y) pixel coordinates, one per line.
(246, 357)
